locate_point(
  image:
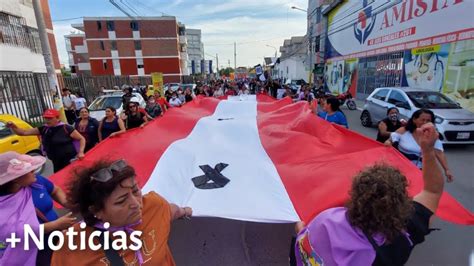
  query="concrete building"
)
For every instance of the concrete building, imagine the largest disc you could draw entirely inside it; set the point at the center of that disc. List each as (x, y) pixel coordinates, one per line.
(291, 64)
(423, 44)
(316, 34)
(122, 46)
(20, 47)
(195, 51)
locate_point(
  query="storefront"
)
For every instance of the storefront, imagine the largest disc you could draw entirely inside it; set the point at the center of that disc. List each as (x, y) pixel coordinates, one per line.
(426, 43)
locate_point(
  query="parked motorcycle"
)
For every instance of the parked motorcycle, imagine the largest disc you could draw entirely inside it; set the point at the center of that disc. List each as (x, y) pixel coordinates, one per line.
(346, 98)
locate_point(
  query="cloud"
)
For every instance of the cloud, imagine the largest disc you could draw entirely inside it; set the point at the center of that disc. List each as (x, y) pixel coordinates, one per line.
(252, 36)
(252, 24)
(61, 29)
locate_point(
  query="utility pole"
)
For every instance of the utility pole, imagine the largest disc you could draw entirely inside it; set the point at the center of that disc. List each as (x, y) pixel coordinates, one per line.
(310, 79)
(217, 65)
(48, 59)
(235, 56)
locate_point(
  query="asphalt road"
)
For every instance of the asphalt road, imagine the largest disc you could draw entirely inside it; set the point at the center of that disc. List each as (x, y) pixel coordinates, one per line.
(214, 241)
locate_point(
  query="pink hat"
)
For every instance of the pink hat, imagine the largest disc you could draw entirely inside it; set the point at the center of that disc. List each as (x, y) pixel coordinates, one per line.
(14, 165)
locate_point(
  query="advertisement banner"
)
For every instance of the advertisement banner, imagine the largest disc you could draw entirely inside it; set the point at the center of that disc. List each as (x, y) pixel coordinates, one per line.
(333, 75)
(426, 67)
(157, 80)
(363, 28)
(459, 81)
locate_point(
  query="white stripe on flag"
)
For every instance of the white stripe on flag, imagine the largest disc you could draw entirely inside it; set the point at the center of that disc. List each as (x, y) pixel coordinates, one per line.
(255, 191)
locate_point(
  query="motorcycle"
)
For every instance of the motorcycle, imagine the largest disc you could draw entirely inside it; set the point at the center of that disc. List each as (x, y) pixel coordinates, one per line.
(346, 98)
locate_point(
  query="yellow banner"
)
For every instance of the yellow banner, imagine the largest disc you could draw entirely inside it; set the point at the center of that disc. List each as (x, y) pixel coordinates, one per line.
(426, 50)
(157, 80)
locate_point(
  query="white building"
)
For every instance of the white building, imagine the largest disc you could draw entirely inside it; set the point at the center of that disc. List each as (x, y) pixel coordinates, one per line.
(292, 60)
(20, 47)
(195, 51)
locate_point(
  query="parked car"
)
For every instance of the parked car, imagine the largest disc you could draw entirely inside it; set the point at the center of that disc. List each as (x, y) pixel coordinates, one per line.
(9, 141)
(172, 86)
(455, 124)
(98, 106)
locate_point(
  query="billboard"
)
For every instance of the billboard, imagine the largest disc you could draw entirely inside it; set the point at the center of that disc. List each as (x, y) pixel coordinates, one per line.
(369, 27)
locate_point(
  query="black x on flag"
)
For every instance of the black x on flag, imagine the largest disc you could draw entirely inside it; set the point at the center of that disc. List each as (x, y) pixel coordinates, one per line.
(212, 177)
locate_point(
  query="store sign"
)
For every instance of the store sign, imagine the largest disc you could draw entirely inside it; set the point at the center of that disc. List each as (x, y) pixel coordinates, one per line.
(364, 28)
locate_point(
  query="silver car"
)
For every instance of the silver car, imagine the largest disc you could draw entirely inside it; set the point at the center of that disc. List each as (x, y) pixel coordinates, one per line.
(98, 106)
(455, 124)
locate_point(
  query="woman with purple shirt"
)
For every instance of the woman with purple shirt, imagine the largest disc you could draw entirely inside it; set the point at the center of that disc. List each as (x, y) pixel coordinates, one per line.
(380, 224)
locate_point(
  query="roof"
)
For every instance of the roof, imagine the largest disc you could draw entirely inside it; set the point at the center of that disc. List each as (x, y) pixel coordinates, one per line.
(127, 18)
(407, 89)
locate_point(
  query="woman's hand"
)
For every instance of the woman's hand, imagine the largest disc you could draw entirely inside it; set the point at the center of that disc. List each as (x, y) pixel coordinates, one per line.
(80, 155)
(11, 125)
(299, 226)
(64, 222)
(449, 176)
(187, 212)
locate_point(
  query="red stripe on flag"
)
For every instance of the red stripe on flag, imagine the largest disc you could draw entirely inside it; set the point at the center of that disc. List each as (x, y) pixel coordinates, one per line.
(143, 147)
(316, 160)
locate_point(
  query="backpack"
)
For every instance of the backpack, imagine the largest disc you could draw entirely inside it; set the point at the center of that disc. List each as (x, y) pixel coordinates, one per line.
(75, 143)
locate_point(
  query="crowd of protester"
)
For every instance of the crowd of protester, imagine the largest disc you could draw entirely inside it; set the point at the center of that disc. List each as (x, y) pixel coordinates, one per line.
(107, 192)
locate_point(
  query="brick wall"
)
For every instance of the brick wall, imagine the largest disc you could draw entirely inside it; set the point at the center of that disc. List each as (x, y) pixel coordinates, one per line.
(158, 28)
(126, 48)
(95, 49)
(92, 31)
(160, 47)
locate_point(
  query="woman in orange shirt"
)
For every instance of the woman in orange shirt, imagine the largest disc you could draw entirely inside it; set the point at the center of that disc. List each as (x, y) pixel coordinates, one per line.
(108, 198)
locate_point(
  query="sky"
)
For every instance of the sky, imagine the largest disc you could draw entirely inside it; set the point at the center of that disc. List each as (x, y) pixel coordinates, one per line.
(254, 25)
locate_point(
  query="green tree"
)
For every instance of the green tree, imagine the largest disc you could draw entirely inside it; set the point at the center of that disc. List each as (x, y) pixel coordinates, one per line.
(226, 71)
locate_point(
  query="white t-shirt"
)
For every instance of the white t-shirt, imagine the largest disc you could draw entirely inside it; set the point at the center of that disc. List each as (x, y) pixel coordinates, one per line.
(407, 144)
(80, 102)
(68, 100)
(175, 102)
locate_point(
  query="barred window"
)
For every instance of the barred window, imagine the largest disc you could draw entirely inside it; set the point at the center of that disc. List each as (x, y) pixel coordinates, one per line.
(15, 32)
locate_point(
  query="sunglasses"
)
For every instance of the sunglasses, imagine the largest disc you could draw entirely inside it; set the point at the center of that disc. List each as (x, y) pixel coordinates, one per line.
(105, 174)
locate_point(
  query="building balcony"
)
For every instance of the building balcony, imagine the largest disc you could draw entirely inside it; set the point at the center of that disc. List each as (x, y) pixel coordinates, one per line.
(78, 26)
(183, 40)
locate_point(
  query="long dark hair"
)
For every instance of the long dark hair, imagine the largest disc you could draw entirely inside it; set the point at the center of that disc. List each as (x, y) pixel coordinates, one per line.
(410, 127)
(335, 104)
(88, 196)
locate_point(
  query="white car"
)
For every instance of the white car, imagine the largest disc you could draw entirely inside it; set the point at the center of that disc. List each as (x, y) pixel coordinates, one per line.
(455, 124)
(172, 86)
(98, 106)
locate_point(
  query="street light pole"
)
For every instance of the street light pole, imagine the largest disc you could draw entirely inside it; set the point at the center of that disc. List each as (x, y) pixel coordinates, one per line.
(48, 58)
(310, 43)
(273, 48)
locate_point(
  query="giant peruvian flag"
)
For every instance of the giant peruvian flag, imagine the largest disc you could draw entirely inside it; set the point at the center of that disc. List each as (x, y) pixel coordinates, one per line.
(253, 159)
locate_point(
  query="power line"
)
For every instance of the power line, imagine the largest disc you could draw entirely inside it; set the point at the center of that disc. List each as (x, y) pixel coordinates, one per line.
(66, 19)
(130, 7)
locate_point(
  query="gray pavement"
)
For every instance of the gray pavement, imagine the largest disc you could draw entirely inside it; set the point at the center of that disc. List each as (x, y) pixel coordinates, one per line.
(215, 241)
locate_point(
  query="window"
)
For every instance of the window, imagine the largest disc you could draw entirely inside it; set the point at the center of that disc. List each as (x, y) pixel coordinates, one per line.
(99, 25)
(381, 95)
(317, 43)
(110, 26)
(102, 45)
(113, 45)
(396, 97)
(4, 131)
(138, 45)
(116, 63)
(318, 15)
(134, 25)
(15, 32)
(105, 64)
